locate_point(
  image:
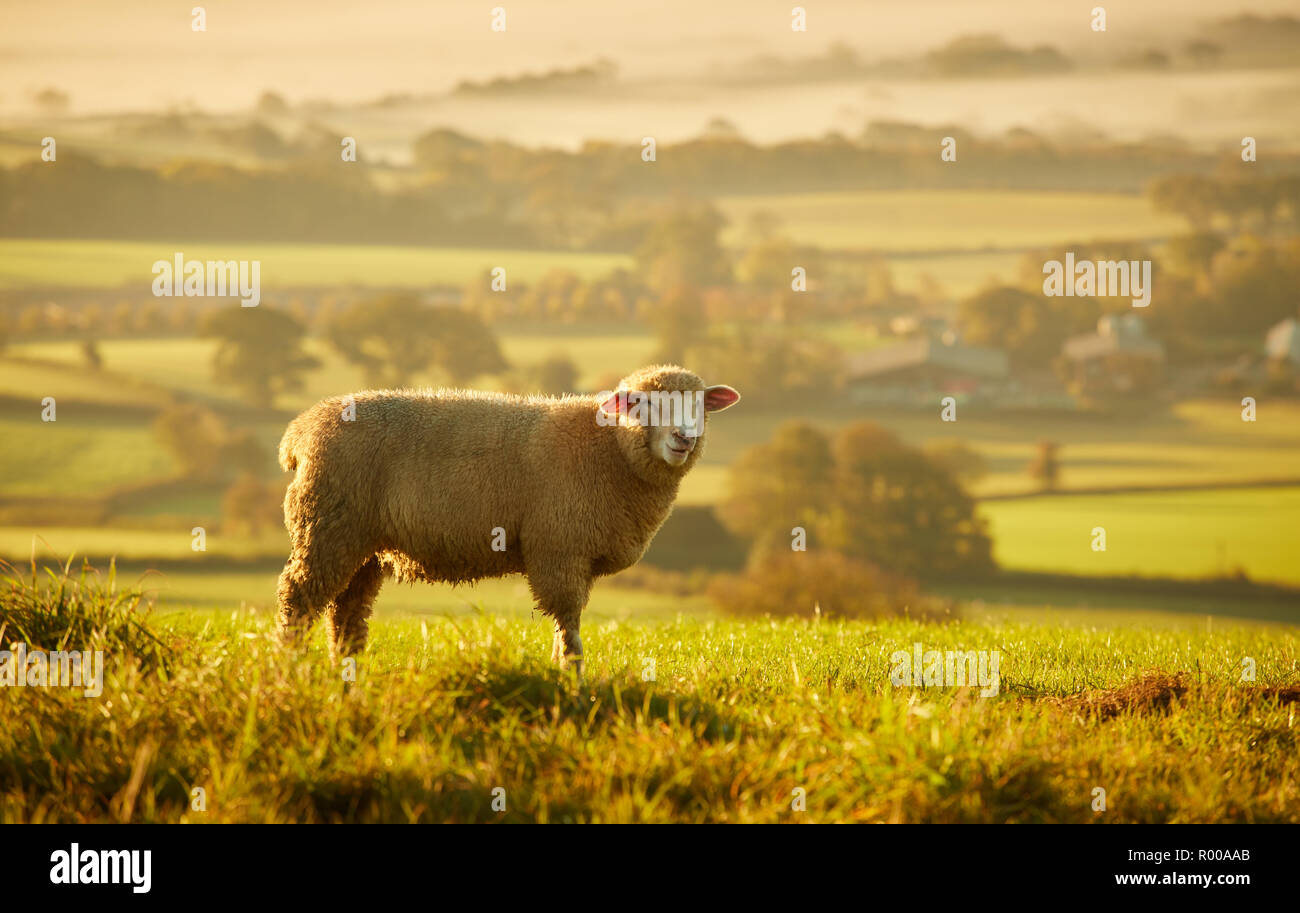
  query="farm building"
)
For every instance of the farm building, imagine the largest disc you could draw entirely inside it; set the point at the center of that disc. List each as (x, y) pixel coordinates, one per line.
(918, 369)
(1283, 341)
(1119, 357)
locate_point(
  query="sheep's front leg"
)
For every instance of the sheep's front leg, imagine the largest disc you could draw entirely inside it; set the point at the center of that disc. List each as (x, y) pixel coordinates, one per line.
(562, 594)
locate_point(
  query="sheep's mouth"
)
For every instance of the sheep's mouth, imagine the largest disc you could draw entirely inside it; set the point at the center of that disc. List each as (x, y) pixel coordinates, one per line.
(683, 450)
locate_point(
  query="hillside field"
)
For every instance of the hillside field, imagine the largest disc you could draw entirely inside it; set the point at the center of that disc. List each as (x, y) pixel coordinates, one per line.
(912, 221)
(108, 264)
(1154, 534)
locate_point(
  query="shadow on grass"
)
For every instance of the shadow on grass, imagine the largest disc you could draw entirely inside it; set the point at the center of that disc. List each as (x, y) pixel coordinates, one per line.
(549, 697)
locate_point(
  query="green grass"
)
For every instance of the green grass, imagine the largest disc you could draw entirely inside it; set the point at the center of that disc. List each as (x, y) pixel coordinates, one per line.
(128, 543)
(444, 712)
(107, 264)
(33, 380)
(1174, 534)
(183, 365)
(81, 453)
(952, 220)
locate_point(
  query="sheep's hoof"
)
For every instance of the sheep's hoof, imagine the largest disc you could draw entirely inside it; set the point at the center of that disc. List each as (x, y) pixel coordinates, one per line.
(290, 636)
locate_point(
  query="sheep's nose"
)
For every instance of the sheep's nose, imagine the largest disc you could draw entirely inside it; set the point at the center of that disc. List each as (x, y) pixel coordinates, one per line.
(685, 440)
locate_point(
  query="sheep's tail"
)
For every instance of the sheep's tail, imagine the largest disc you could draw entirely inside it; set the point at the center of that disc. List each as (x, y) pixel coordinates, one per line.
(288, 446)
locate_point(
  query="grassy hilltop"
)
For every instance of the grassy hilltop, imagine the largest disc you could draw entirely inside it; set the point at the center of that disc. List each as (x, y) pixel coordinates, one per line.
(680, 719)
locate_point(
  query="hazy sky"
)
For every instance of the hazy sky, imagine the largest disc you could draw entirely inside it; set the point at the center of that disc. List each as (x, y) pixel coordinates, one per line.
(132, 54)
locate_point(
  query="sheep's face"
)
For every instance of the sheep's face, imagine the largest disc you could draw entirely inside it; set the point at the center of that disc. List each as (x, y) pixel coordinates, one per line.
(663, 412)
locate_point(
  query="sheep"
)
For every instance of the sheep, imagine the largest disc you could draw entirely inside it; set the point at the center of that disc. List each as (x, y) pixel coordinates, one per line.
(457, 486)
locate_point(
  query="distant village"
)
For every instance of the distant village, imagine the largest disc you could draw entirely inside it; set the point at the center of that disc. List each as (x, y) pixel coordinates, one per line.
(929, 359)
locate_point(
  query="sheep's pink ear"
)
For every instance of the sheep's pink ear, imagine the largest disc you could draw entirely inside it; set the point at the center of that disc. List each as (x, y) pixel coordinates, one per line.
(614, 403)
(618, 402)
(719, 397)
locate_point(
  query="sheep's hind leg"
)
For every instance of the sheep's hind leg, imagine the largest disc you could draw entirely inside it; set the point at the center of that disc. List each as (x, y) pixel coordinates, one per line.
(348, 616)
(308, 583)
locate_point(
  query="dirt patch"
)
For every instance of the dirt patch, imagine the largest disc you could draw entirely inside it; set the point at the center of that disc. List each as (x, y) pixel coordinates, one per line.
(1283, 694)
(1152, 693)
(1155, 692)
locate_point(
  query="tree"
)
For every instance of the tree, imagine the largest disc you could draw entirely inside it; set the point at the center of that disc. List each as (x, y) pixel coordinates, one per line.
(865, 494)
(1203, 53)
(683, 248)
(1194, 197)
(773, 369)
(962, 461)
(204, 446)
(272, 104)
(1015, 320)
(193, 434)
(556, 375)
(464, 347)
(1254, 285)
(51, 100)
(776, 486)
(396, 337)
(251, 505)
(90, 355)
(677, 321)
(440, 148)
(1046, 465)
(901, 511)
(259, 352)
(1191, 254)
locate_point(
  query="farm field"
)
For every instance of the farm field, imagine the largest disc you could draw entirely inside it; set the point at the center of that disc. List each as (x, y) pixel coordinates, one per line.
(126, 542)
(48, 375)
(71, 457)
(1167, 534)
(107, 264)
(899, 221)
(677, 720)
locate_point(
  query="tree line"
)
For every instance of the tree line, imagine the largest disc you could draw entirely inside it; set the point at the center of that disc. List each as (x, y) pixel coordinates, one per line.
(462, 191)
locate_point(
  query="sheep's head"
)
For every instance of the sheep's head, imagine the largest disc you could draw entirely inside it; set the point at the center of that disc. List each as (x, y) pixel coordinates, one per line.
(662, 412)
